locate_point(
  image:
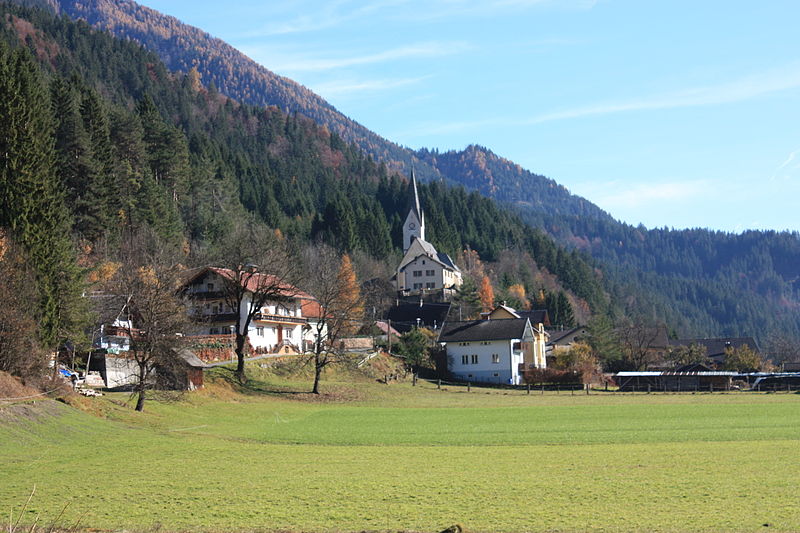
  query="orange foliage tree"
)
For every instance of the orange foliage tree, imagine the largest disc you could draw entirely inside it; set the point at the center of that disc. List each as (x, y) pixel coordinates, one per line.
(486, 294)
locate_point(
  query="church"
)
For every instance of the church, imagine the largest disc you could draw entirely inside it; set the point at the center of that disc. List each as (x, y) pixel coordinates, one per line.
(423, 270)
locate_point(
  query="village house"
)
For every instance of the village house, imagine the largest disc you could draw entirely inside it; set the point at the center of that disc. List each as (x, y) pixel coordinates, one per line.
(423, 270)
(492, 351)
(278, 327)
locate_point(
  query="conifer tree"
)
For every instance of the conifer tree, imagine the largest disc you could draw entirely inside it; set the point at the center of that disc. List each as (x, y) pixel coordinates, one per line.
(31, 198)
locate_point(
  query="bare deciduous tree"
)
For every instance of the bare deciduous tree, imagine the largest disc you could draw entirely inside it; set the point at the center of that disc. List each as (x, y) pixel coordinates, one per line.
(638, 341)
(147, 283)
(341, 310)
(259, 268)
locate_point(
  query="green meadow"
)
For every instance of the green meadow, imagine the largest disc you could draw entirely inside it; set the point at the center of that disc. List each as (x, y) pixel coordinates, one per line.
(373, 457)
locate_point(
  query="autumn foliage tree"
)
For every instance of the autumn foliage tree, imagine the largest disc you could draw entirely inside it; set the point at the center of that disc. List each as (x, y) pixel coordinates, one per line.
(332, 282)
(486, 294)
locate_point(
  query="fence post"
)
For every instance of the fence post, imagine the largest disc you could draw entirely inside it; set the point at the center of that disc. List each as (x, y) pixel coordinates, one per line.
(468, 386)
(648, 388)
(710, 387)
(439, 384)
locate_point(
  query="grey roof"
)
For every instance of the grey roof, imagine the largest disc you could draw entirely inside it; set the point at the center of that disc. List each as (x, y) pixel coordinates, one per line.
(536, 316)
(715, 347)
(557, 335)
(430, 251)
(191, 359)
(483, 330)
(404, 316)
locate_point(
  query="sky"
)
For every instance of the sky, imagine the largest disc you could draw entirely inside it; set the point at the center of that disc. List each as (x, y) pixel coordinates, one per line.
(670, 114)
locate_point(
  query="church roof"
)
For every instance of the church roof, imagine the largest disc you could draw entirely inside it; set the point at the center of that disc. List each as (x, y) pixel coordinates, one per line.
(413, 200)
(430, 250)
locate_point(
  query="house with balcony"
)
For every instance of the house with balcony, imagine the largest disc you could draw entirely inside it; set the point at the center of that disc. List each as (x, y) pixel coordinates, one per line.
(491, 351)
(277, 327)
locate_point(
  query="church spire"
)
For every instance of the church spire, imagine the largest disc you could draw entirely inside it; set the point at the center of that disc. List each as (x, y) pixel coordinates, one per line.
(413, 200)
(414, 226)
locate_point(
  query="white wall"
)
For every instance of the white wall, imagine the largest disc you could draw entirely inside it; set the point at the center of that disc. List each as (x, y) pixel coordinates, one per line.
(484, 370)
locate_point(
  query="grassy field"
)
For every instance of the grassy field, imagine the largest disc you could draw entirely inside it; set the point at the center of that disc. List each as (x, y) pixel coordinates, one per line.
(376, 457)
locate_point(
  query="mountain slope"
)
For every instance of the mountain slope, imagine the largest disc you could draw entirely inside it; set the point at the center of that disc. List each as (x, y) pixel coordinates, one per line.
(702, 282)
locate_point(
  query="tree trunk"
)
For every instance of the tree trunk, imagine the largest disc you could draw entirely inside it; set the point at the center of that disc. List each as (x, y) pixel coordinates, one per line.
(141, 386)
(317, 373)
(240, 340)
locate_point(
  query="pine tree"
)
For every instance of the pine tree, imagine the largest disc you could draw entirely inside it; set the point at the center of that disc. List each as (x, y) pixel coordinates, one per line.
(31, 198)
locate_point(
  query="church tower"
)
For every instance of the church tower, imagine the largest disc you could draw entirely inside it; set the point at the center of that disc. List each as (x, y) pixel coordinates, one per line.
(414, 225)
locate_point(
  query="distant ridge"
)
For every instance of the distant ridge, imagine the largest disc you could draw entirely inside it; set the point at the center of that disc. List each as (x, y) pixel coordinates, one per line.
(183, 47)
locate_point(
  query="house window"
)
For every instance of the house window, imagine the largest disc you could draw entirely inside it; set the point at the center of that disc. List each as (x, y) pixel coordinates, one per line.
(418, 273)
(495, 358)
(474, 359)
(430, 285)
(213, 331)
(497, 375)
(430, 272)
(260, 331)
(464, 359)
(469, 375)
(418, 285)
(209, 287)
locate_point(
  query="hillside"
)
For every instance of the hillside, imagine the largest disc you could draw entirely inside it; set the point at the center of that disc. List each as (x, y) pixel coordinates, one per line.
(136, 146)
(701, 282)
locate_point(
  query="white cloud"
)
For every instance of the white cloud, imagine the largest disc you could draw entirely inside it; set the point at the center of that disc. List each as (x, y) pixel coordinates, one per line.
(615, 195)
(346, 87)
(775, 80)
(418, 50)
(329, 15)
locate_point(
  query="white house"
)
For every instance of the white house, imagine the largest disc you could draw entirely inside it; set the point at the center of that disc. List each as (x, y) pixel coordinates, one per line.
(278, 327)
(422, 268)
(490, 351)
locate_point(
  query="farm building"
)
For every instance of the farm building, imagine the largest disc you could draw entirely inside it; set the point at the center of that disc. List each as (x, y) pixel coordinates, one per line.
(675, 380)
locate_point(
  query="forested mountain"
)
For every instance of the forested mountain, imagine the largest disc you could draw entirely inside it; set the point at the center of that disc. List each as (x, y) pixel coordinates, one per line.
(127, 144)
(700, 282)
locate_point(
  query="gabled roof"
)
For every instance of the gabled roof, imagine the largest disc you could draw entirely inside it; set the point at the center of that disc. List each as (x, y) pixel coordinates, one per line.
(558, 335)
(428, 250)
(484, 330)
(252, 282)
(715, 347)
(536, 316)
(431, 315)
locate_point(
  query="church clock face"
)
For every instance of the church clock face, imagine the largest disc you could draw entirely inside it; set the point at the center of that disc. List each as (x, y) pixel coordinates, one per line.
(412, 225)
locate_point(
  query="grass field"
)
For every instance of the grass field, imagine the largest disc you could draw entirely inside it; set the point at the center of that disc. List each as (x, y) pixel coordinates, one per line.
(390, 458)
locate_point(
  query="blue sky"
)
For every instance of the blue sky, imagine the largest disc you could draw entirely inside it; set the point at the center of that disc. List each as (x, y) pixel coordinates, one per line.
(677, 114)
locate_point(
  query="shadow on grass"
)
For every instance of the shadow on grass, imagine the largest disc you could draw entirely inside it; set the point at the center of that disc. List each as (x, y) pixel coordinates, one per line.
(255, 385)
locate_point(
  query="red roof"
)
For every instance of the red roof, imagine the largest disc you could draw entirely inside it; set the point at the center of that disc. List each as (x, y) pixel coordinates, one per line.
(311, 308)
(252, 282)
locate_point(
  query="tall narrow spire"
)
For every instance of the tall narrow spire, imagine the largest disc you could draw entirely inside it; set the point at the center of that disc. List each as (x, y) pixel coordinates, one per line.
(413, 200)
(414, 226)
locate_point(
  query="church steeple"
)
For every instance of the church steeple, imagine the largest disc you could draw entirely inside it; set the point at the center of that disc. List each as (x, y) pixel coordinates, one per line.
(414, 225)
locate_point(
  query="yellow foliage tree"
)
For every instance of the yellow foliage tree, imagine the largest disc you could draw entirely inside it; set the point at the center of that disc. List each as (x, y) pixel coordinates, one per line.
(350, 294)
(486, 294)
(518, 291)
